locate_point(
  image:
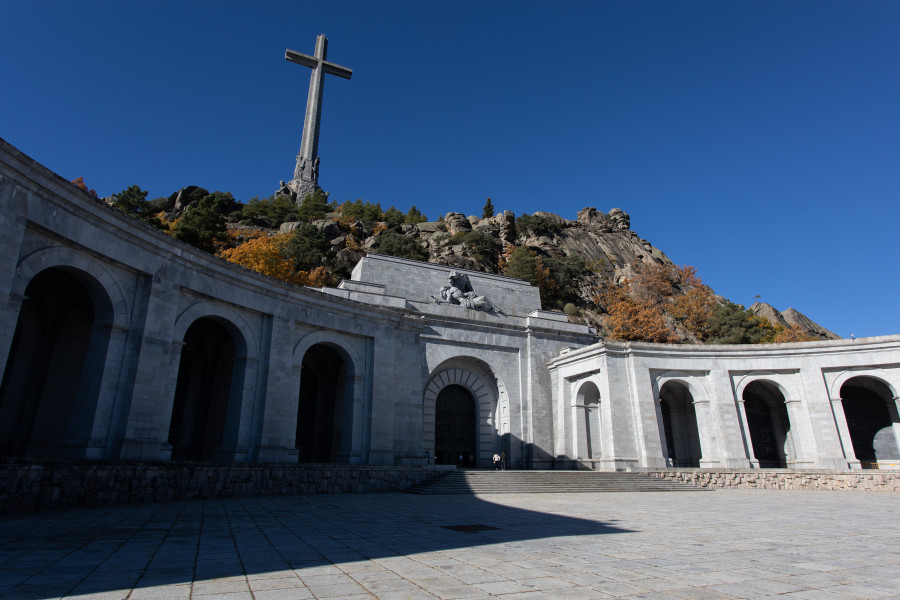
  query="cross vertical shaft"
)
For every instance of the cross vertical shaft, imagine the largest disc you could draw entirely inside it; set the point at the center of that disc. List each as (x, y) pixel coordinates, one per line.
(309, 144)
(306, 171)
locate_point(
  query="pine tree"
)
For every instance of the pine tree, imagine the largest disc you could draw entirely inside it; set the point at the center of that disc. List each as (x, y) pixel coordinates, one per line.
(488, 211)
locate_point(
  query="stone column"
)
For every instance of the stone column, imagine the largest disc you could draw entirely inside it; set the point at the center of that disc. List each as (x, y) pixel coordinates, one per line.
(618, 435)
(92, 413)
(12, 232)
(156, 371)
(840, 420)
(730, 419)
(709, 455)
(803, 442)
(895, 422)
(242, 403)
(745, 430)
(824, 432)
(278, 408)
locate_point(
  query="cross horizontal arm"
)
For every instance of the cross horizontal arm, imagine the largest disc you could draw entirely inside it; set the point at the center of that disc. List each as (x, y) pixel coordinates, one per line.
(312, 62)
(333, 69)
(301, 59)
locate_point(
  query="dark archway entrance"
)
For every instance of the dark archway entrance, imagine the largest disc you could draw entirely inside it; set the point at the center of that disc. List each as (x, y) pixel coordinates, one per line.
(203, 391)
(50, 386)
(768, 422)
(871, 413)
(455, 428)
(682, 437)
(320, 415)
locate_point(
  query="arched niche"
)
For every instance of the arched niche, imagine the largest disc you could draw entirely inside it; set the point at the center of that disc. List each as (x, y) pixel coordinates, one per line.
(332, 403)
(52, 379)
(768, 423)
(587, 422)
(680, 433)
(209, 390)
(872, 420)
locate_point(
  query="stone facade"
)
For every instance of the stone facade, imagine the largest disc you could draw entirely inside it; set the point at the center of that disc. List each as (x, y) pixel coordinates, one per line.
(118, 342)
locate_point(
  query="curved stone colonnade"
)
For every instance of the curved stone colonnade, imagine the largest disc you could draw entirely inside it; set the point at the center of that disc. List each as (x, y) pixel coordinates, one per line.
(818, 405)
(119, 342)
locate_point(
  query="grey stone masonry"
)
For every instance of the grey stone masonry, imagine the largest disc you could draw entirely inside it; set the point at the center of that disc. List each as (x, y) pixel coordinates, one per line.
(868, 481)
(418, 282)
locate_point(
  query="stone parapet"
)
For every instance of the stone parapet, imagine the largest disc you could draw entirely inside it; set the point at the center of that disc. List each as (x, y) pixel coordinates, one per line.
(42, 484)
(779, 479)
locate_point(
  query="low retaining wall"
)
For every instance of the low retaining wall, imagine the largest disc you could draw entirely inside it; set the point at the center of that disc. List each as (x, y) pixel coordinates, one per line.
(778, 479)
(36, 485)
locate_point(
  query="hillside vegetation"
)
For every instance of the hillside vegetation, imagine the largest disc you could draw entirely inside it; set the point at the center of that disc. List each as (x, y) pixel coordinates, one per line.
(594, 267)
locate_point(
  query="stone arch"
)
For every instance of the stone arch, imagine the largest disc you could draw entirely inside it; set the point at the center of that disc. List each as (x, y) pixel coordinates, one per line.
(330, 378)
(680, 431)
(53, 380)
(477, 379)
(891, 379)
(214, 358)
(100, 283)
(245, 336)
(587, 422)
(870, 409)
(768, 424)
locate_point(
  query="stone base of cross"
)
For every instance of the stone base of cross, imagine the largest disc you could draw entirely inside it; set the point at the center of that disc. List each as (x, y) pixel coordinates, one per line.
(298, 189)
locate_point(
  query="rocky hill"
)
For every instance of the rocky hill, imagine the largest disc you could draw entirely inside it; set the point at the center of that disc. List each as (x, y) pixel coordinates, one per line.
(594, 267)
(792, 316)
(602, 246)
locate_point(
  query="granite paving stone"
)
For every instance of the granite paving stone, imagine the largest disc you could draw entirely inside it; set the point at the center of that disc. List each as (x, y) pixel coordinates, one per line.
(392, 546)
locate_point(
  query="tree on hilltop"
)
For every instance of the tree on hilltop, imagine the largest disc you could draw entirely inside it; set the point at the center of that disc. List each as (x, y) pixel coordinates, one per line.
(314, 206)
(488, 211)
(80, 184)
(307, 248)
(401, 246)
(203, 225)
(133, 202)
(414, 215)
(520, 263)
(265, 255)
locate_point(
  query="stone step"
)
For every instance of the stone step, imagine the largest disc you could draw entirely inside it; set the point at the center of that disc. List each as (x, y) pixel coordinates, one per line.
(560, 482)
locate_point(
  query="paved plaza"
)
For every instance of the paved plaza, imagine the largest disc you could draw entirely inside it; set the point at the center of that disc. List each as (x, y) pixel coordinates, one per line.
(724, 544)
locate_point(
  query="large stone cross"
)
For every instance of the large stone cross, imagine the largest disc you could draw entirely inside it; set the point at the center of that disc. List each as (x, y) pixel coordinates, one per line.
(306, 172)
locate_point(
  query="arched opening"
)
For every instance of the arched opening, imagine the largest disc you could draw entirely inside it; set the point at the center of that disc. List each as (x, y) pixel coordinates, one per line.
(680, 433)
(587, 411)
(455, 428)
(204, 391)
(320, 415)
(49, 391)
(768, 423)
(871, 414)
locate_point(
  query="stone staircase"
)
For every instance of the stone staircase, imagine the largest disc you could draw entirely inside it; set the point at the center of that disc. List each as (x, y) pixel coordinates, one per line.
(560, 482)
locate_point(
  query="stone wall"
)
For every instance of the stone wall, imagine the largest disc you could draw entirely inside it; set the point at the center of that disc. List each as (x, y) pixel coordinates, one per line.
(27, 485)
(776, 479)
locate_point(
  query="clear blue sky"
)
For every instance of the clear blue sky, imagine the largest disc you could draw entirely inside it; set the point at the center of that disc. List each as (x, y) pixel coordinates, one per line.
(757, 141)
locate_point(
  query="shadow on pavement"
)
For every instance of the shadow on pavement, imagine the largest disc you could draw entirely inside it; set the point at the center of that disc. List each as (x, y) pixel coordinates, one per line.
(91, 551)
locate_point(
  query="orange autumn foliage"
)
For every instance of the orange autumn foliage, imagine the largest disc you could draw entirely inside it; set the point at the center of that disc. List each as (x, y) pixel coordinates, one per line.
(633, 319)
(264, 255)
(79, 183)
